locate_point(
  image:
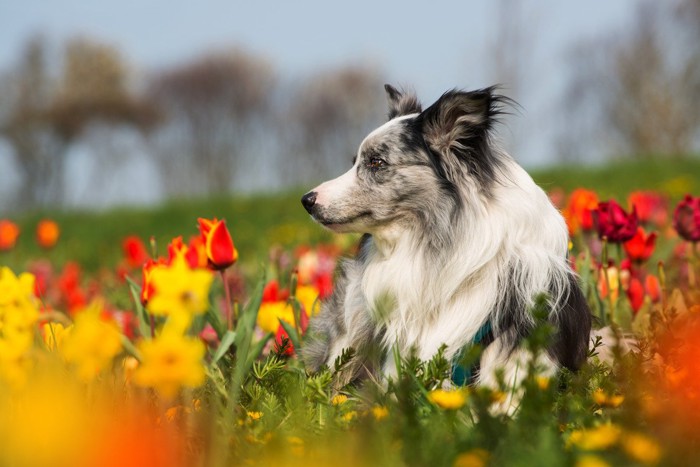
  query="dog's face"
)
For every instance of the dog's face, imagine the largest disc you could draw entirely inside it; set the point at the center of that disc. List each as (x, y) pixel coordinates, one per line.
(407, 167)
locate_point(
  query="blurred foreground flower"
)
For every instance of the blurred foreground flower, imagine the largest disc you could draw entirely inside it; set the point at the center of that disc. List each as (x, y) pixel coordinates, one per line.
(47, 233)
(651, 207)
(92, 342)
(169, 362)
(686, 218)
(218, 243)
(614, 223)
(8, 234)
(448, 399)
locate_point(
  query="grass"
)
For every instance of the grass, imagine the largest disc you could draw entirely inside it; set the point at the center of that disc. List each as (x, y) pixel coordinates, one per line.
(259, 222)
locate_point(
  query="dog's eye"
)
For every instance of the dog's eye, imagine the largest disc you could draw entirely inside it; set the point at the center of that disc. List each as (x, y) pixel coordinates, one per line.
(375, 163)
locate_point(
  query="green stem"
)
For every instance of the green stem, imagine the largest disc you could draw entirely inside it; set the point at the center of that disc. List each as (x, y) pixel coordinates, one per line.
(227, 304)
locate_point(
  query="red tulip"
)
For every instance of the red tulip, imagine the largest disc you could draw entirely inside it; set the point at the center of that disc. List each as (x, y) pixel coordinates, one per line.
(641, 246)
(651, 207)
(8, 234)
(686, 218)
(218, 243)
(47, 233)
(613, 222)
(134, 251)
(147, 286)
(635, 293)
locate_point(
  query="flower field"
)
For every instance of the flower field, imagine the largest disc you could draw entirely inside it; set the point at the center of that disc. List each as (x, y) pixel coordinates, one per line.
(183, 351)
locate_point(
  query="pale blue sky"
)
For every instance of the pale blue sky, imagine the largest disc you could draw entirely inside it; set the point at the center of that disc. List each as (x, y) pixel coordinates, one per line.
(431, 46)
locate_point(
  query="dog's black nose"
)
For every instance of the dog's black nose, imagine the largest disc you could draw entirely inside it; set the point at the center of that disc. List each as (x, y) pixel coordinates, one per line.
(308, 200)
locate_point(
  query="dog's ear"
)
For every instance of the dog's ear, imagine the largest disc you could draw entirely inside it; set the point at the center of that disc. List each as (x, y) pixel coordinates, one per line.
(401, 103)
(456, 127)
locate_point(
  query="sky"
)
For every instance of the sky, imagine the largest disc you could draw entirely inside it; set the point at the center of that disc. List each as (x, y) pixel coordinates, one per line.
(430, 46)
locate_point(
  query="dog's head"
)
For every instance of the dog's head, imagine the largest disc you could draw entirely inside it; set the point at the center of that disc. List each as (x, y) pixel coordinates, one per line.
(413, 165)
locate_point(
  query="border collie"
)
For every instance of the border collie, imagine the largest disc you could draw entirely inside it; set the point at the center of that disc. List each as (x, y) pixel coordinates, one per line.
(458, 240)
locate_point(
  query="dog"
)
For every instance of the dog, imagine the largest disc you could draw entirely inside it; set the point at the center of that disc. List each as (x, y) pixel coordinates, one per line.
(458, 242)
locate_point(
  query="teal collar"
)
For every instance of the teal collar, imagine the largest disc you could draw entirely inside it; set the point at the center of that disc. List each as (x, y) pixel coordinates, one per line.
(461, 375)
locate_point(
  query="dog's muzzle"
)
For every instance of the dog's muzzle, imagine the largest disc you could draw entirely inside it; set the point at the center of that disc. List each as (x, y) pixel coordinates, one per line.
(309, 201)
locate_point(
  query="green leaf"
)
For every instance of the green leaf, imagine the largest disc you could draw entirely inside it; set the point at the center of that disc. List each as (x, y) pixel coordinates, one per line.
(226, 342)
(258, 348)
(129, 347)
(141, 314)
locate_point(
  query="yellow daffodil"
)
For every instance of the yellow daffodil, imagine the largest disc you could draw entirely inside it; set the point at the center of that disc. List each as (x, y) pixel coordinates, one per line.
(641, 448)
(92, 342)
(54, 334)
(590, 460)
(271, 313)
(448, 399)
(379, 412)
(601, 437)
(307, 296)
(169, 362)
(604, 399)
(473, 458)
(179, 290)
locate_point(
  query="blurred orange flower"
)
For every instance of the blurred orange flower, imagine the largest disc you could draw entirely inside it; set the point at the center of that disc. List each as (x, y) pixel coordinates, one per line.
(218, 243)
(8, 234)
(47, 233)
(578, 212)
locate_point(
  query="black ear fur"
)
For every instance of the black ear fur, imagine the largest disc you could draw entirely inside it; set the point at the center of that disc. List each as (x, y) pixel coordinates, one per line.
(457, 126)
(401, 103)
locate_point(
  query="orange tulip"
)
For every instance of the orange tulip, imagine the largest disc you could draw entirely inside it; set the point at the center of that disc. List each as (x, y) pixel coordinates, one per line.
(147, 286)
(578, 212)
(218, 243)
(8, 234)
(47, 233)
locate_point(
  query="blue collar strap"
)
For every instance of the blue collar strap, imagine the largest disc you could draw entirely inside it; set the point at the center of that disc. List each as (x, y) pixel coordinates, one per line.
(461, 375)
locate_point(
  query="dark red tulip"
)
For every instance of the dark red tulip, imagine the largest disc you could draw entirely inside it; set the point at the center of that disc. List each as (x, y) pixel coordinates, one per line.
(615, 223)
(686, 218)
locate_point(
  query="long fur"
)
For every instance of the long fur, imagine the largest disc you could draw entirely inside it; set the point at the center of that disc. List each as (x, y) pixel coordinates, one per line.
(457, 234)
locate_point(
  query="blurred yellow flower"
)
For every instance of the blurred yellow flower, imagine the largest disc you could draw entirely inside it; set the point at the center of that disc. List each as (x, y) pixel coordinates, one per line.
(271, 313)
(339, 399)
(54, 334)
(307, 296)
(448, 399)
(380, 412)
(255, 415)
(590, 460)
(169, 362)
(473, 458)
(18, 304)
(92, 342)
(349, 416)
(542, 382)
(601, 437)
(641, 448)
(179, 289)
(604, 399)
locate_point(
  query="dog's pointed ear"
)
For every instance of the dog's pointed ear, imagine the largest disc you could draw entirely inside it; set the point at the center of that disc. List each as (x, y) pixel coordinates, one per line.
(401, 103)
(457, 128)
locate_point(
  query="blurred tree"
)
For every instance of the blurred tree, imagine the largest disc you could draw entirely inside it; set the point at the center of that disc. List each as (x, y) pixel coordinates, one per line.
(328, 118)
(636, 93)
(41, 117)
(213, 107)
